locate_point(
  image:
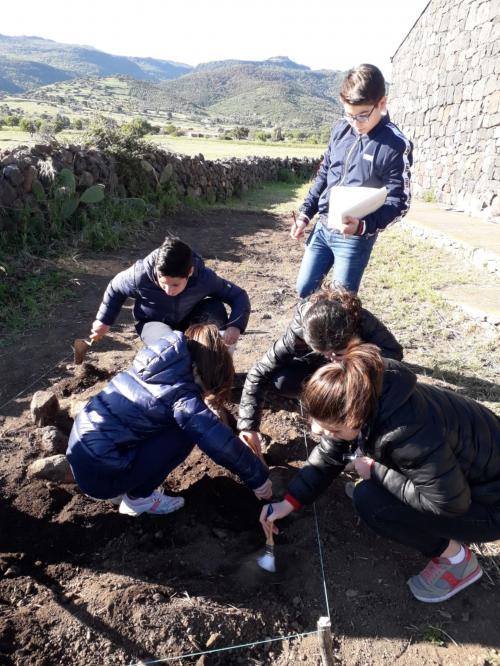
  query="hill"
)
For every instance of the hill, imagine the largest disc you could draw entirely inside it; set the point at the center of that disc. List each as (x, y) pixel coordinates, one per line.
(30, 62)
(272, 92)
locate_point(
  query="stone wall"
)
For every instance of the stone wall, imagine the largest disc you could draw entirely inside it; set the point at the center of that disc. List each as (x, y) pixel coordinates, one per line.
(445, 95)
(192, 177)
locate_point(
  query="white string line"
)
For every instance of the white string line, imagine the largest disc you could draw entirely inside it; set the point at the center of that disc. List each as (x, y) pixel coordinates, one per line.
(224, 649)
(35, 381)
(320, 548)
(121, 336)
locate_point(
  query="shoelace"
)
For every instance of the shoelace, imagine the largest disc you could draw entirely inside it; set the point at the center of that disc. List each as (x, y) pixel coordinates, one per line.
(433, 571)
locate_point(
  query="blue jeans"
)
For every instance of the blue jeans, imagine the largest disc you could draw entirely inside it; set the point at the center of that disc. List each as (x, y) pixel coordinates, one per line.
(349, 256)
(422, 530)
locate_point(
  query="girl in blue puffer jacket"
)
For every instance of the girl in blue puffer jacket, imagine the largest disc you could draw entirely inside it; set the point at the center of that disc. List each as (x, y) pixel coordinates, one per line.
(131, 435)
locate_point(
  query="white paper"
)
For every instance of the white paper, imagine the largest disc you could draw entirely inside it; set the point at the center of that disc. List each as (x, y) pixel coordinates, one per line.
(353, 202)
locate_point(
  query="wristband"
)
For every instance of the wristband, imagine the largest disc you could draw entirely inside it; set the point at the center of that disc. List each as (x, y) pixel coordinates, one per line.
(361, 228)
(291, 499)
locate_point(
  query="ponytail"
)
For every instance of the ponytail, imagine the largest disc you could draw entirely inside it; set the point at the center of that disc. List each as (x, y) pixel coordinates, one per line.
(346, 391)
(212, 361)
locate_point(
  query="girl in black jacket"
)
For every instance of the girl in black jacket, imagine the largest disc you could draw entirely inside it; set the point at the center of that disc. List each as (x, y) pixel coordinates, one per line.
(320, 330)
(430, 464)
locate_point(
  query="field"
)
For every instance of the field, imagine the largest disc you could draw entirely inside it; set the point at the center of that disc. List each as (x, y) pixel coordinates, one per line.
(211, 149)
(84, 585)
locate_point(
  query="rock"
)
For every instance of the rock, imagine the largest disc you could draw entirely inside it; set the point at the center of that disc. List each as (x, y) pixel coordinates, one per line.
(53, 468)
(75, 407)
(166, 174)
(350, 593)
(212, 639)
(7, 193)
(14, 175)
(86, 180)
(29, 176)
(51, 440)
(44, 408)
(12, 572)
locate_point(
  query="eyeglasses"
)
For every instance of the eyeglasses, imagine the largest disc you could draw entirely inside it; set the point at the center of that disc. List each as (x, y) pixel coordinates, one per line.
(360, 117)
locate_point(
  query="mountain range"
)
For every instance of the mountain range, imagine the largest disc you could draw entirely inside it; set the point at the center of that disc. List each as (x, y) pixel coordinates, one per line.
(276, 91)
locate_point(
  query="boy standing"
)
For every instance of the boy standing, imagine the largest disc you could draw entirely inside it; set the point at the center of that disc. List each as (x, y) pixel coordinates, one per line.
(365, 149)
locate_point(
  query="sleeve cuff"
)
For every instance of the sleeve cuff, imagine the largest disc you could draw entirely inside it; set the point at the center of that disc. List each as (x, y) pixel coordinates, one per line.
(295, 503)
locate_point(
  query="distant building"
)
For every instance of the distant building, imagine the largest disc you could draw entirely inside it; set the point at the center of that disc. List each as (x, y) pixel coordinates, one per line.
(445, 95)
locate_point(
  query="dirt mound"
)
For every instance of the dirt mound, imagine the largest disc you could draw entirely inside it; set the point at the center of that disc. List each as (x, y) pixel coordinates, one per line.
(85, 377)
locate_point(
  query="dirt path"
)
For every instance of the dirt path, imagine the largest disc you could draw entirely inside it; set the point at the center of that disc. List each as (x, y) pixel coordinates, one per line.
(83, 585)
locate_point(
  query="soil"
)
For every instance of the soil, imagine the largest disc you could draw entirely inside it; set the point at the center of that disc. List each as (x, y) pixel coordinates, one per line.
(81, 584)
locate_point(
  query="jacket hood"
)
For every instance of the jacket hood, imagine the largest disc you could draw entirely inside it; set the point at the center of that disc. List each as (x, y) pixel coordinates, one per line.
(149, 264)
(399, 383)
(165, 361)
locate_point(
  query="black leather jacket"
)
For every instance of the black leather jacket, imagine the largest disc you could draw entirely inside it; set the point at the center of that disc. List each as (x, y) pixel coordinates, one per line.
(293, 345)
(435, 450)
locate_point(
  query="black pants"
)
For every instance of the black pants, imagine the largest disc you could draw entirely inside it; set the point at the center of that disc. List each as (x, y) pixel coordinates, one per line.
(423, 531)
(289, 380)
(208, 311)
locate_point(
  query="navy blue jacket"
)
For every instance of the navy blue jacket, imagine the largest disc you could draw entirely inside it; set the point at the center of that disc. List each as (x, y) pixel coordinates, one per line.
(153, 304)
(382, 157)
(158, 391)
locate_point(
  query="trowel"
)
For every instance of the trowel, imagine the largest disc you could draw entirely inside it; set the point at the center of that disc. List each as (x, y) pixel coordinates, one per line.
(80, 348)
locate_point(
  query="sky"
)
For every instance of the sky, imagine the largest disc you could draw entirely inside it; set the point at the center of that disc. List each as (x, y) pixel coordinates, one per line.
(322, 34)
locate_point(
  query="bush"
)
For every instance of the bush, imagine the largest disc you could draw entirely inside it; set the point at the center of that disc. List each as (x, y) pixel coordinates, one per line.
(137, 128)
(262, 136)
(12, 121)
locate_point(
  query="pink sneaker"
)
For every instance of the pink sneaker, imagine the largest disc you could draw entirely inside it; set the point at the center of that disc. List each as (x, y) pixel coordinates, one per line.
(440, 579)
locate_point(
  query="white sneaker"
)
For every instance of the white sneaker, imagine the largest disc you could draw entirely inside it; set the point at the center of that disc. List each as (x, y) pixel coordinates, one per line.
(156, 503)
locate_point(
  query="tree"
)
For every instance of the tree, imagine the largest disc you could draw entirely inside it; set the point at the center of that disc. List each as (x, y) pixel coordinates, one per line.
(277, 134)
(241, 132)
(137, 128)
(12, 121)
(262, 136)
(27, 125)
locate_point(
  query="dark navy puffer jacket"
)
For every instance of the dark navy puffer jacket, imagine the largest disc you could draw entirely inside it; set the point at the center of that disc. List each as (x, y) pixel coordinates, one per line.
(434, 450)
(152, 303)
(158, 391)
(382, 157)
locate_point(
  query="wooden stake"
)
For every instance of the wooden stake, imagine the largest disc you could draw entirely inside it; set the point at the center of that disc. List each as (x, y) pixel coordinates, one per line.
(325, 641)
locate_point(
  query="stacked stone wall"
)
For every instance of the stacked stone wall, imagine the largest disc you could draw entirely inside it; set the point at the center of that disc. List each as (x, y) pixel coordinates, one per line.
(445, 96)
(192, 177)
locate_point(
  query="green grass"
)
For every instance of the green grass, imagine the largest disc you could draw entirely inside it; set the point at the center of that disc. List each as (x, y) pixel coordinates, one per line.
(211, 149)
(403, 285)
(216, 149)
(279, 198)
(27, 295)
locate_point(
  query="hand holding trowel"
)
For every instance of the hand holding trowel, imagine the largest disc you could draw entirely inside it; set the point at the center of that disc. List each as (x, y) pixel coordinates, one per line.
(81, 346)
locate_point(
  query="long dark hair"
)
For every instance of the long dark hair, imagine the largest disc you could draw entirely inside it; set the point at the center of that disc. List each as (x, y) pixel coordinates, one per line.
(346, 391)
(212, 360)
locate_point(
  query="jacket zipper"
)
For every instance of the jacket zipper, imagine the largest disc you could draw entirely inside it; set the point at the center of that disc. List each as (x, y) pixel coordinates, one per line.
(349, 155)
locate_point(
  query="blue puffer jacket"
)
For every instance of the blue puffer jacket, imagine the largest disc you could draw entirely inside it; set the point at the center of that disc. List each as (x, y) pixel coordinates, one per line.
(158, 391)
(382, 157)
(153, 304)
